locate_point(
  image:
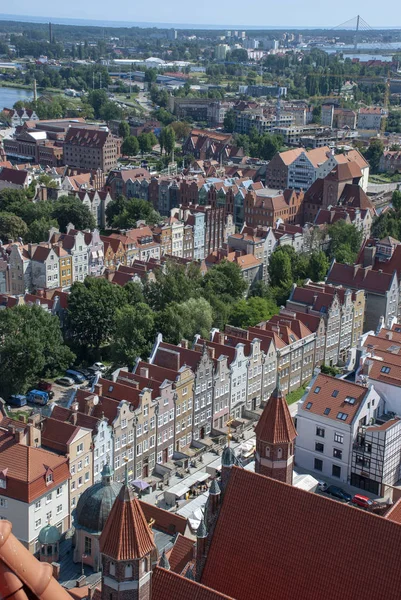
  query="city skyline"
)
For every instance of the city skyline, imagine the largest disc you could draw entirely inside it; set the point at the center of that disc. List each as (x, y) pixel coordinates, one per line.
(302, 16)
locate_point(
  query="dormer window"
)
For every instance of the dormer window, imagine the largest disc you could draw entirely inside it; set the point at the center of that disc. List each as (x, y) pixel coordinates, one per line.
(49, 477)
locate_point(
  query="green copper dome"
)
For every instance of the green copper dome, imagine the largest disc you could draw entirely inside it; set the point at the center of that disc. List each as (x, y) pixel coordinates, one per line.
(49, 535)
(228, 457)
(95, 504)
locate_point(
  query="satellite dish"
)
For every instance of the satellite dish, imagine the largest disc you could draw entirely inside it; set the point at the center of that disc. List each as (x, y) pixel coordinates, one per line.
(95, 399)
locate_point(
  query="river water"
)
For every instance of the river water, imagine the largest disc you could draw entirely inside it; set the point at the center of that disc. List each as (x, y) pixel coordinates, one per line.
(9, 96)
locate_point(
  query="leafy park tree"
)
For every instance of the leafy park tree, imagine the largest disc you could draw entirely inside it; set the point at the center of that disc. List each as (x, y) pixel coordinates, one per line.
(38, 230)
(248, 313)
(130, 145)
(136, 210)
(123, 129)
(186, 319)
(224, 280)
(31, 346)
(115, 208)
(134, 293)
(146, 143)
(12, 227)
(318, 265)
(374, 153)
(69, 209)
(92, 307)
(134, 334)
(174, 284)
(229, 121)
(345, 241)
(280, 271)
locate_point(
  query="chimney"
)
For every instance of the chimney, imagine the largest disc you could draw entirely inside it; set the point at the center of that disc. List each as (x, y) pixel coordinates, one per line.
(98, 389)
(369, 253)
(389, 335)
(144, 372)
(74, 417)
(56, 570)
(184, 344)
(19, 435)
(81, 581)
(219, 338)
(34, 436)
(211, 351)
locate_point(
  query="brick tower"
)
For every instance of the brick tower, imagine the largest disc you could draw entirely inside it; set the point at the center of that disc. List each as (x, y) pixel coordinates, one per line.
(128, 550)
(275, 435)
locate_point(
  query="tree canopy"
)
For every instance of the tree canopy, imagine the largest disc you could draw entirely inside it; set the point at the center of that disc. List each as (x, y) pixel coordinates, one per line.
(31, 346)
(133, 334)
(345, 242)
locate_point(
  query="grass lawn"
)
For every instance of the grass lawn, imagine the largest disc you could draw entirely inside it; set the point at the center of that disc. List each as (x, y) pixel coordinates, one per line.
(385, 178)
(296, 394)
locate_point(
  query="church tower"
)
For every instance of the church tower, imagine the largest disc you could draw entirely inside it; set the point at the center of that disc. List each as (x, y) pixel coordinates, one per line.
(128, 550)
(275, 436)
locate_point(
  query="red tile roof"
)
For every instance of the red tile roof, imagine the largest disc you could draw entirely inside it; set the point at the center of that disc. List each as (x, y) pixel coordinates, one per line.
(167, 585)
(275, 424)
(126, 534)
(356, 276)
(331, 393)
(163, 519)
(181, 553)
(275, 541)
(26, 468)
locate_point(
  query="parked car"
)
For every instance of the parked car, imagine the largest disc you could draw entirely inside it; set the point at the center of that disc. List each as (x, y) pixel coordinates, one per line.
(98, 366)
(85, 372)
(339, 493)
(65, 381)
(363, 501)
(37, 397)
(17, 400)
(322, 486)
(46, 386)
(75, 375)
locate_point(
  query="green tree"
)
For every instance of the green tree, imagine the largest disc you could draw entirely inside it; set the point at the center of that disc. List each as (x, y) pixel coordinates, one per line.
(134, 334)
(31, 346)
(124, 129)
(224, 280)
(229, 121)
(184, 320)
(130, 145)
(145, 143)
(39, 230)
(12, 227)
(176, 283)
(136, 210)
(279, 269)
(92, 306)
(248, 313)
(345, 241)
(374, 153)
(318, 265)
(69, 209)
(134, 293)
(115, 208)
(396, 200)
(168, 137)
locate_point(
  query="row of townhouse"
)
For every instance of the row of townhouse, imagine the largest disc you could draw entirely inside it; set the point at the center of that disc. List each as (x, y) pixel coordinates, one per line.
(342, 312)
(58, 263)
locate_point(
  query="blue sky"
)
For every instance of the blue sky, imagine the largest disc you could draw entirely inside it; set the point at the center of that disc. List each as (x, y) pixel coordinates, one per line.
(300, 13)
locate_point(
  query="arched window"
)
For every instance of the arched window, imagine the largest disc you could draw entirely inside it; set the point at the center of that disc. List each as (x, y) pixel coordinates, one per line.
(279, 453)
(112, 568)
(145, 565)
(267, 451)
(128, 570)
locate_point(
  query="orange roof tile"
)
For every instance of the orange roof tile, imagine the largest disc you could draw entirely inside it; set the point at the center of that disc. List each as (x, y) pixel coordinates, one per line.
(275, 424)
(274, 541)
(332, 393)
(167, 585)
(126, 534)
(181, 553)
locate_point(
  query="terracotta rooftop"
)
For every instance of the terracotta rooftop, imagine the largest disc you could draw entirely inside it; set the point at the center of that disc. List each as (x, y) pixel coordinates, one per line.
(126, 534)
(181, 553)
(275, 424)
(280, 551)
(356, 276)
(330, 397)
(167, 585)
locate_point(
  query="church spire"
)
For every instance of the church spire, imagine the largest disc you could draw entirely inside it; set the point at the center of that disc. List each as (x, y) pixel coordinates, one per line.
(275, 436)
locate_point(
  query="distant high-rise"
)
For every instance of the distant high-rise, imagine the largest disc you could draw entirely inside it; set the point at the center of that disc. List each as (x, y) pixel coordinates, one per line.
(50, 33)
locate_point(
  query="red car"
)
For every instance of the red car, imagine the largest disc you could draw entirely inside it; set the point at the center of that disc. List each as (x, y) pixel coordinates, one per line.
(46, 386)
(363, 501)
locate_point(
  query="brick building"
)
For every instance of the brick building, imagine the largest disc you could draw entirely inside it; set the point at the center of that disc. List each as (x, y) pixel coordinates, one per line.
(261, 209)
(91, 149)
